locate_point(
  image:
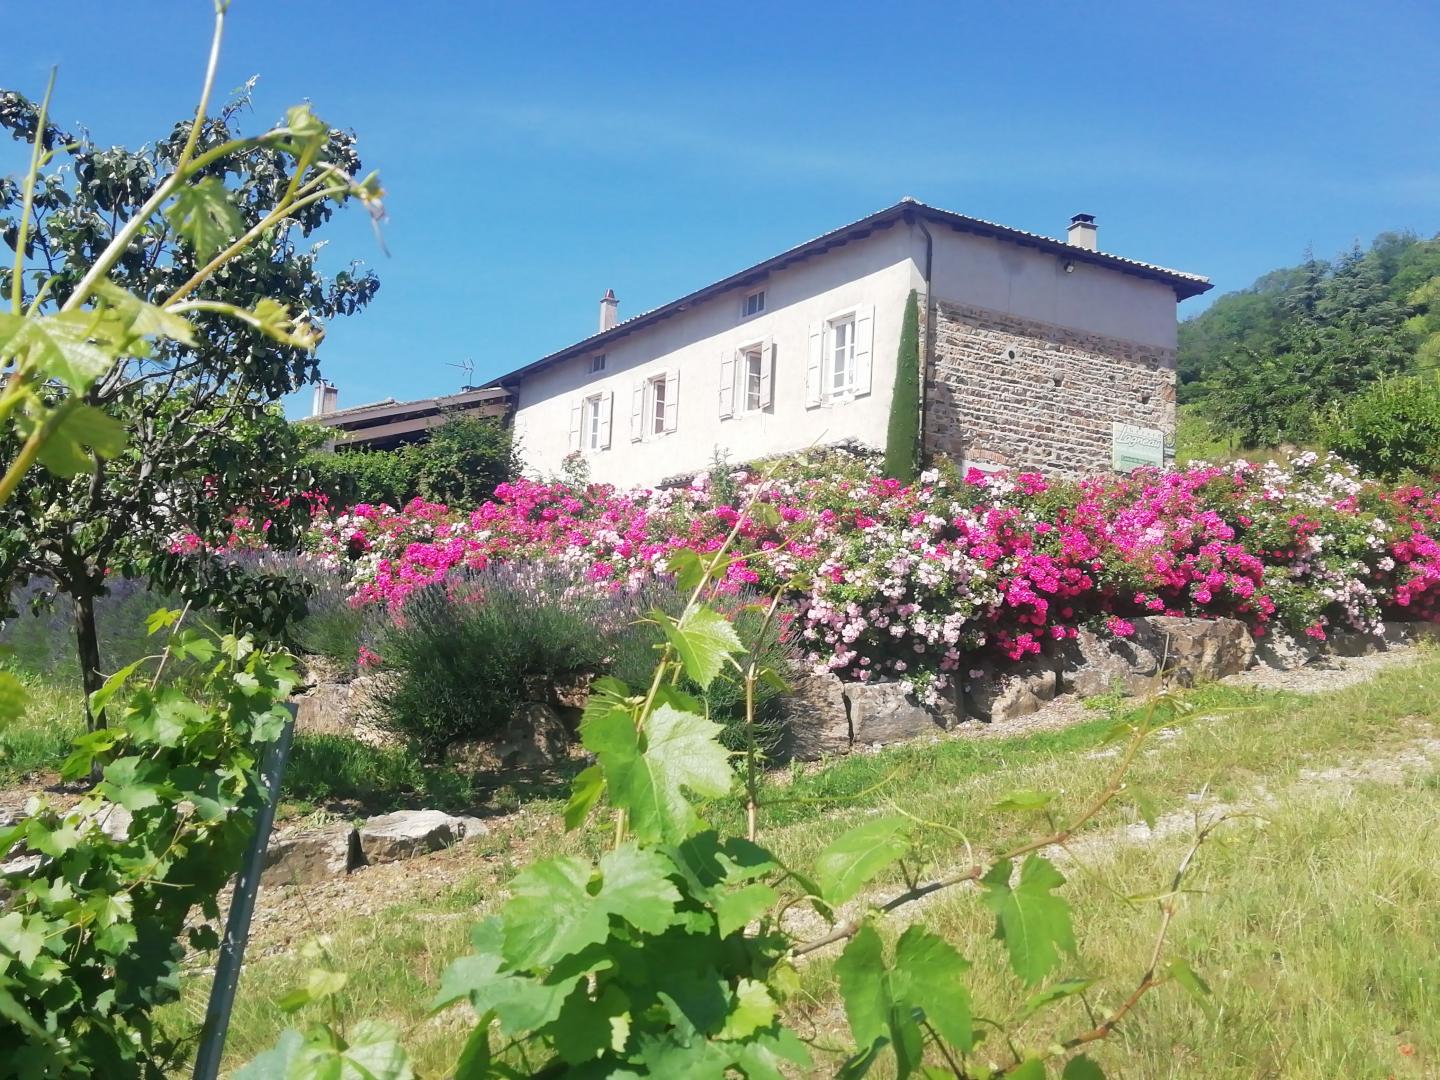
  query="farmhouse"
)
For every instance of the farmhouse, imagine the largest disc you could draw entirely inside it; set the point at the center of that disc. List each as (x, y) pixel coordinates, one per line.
(1035, 352)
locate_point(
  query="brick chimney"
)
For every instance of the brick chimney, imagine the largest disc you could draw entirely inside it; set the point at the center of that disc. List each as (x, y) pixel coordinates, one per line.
(609, 310)
(1082, 232)
(326, 400)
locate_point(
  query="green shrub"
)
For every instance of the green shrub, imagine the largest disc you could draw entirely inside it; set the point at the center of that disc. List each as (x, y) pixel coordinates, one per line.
(1390, 429)
(325, 768)
(902, 440)
(461, 653)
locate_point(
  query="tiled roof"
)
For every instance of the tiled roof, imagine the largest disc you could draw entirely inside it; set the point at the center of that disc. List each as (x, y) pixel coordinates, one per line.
(1185, 285)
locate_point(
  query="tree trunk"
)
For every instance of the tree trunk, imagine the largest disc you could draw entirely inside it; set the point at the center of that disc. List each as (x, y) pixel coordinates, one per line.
(87, 645)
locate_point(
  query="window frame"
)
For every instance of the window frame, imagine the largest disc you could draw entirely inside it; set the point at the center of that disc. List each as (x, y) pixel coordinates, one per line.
(745, 312)
(830, 355)
(656, 405)
(596, 364)
(590, 425)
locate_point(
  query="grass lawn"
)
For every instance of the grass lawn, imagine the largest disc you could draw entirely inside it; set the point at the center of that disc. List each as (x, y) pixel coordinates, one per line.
(1314, 914)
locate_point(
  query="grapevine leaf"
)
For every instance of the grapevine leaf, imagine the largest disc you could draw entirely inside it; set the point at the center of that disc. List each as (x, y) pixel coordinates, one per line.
(552, 912)
(928, 975)
(682, 750)
(474, 1060)
(277, 1062)
(373, 1051)
(703, 638)
(275, 320)
(1024, 799)
(1032, 920)
(146, 320)
(1042, 999)
(14, 698)
(1082, 1068)
(585, 792)
(122, 784)
(754, 1009)
(863, 986)
(685, 564)
(100, 698)
(82, 430)
(1197, 987)
(51, 841)
(521, 1002)
(585, 1028)
(1029, 1069)
(20, 938)
(852, 859)
(61, 346)
(737, 908)
(204, 215)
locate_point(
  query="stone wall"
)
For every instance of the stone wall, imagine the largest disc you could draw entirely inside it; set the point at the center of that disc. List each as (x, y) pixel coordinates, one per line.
(1021, 394)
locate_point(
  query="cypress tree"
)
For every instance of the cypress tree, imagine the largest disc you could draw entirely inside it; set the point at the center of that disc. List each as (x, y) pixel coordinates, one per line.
(902, 442)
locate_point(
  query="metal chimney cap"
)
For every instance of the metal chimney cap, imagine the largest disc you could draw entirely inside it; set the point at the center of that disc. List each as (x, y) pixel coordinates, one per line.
(1082, 219)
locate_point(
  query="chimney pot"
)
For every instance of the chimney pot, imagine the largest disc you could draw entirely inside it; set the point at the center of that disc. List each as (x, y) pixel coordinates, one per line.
(1082, 232)
(609, 310)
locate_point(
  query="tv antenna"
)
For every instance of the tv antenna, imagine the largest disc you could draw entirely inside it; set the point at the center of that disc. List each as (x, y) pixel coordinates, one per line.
(468, 366)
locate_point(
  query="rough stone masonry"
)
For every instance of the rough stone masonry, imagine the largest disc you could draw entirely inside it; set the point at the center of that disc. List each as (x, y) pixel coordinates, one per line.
(1021, 394)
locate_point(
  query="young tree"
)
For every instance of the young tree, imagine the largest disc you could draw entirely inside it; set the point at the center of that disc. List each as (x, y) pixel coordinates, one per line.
(232, 253)
(902, 440)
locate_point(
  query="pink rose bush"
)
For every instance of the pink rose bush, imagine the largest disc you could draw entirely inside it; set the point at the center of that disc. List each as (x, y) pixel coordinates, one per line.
(885, 580)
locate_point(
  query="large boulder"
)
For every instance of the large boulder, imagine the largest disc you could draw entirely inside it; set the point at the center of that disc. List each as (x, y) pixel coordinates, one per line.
(882, 713)
(817, 717)
(1092, 664)
(535, 740)
(1017, 691)
(304, 856)
(1284, 651)
(1194, 651)
(407, 833)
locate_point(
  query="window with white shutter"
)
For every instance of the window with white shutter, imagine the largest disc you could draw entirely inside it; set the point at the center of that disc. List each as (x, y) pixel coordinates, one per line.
(727, 385)
(575, 411)
(637, 412)
(672, 400)
(864, 347)
(814, 363)
(767, 376)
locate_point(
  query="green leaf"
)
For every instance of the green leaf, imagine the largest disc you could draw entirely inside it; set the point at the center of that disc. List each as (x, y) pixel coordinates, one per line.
(681, 751)
(1193, 984)
(146, 320)
(928, 974)
(737, 908)
(851, 860)
(319, 985)
(553, 911)
(1029, 1069)
(277, 1062)
(586, 1029)
(21, 938)
(81, 431)
(585, 792)
(863, 987)
(52, 841)
(275, 320)
(1033, 922)
(304, 124)
(754, 1009)
(474, 1060)
(1082, 1068)
(703, 638)
(1055, 992)
(689, 571)
(1024, 799)
(373, 1052)
(14, 698)
(63, 346)
(123, 785)
(100, 698)
(205, 216)
(521, 1003)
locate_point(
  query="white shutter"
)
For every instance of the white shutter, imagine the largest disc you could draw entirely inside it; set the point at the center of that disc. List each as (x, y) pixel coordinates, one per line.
(575, 425)
(767, 376)
(672, 400)
(813, 364)
(637, 412)
(864, 346)
(607, 409)
(727, 384)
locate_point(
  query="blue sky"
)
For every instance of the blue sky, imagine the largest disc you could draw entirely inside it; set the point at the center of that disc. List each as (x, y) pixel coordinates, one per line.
(539, 153)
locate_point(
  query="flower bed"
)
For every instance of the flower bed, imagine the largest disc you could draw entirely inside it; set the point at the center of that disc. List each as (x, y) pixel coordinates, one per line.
(896, 581)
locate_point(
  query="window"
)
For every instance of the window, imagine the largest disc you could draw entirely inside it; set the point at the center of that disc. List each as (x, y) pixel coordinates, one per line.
(657, 405)
(591, 431)
(597, 364)
(753, 304)
(841, 369)
(752, 371)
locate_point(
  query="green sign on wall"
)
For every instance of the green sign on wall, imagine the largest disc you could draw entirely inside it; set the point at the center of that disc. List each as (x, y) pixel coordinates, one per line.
(1133, 447)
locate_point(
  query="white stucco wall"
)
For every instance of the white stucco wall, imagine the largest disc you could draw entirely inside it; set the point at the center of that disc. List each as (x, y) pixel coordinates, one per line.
(1009, 279)
(877, 272)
